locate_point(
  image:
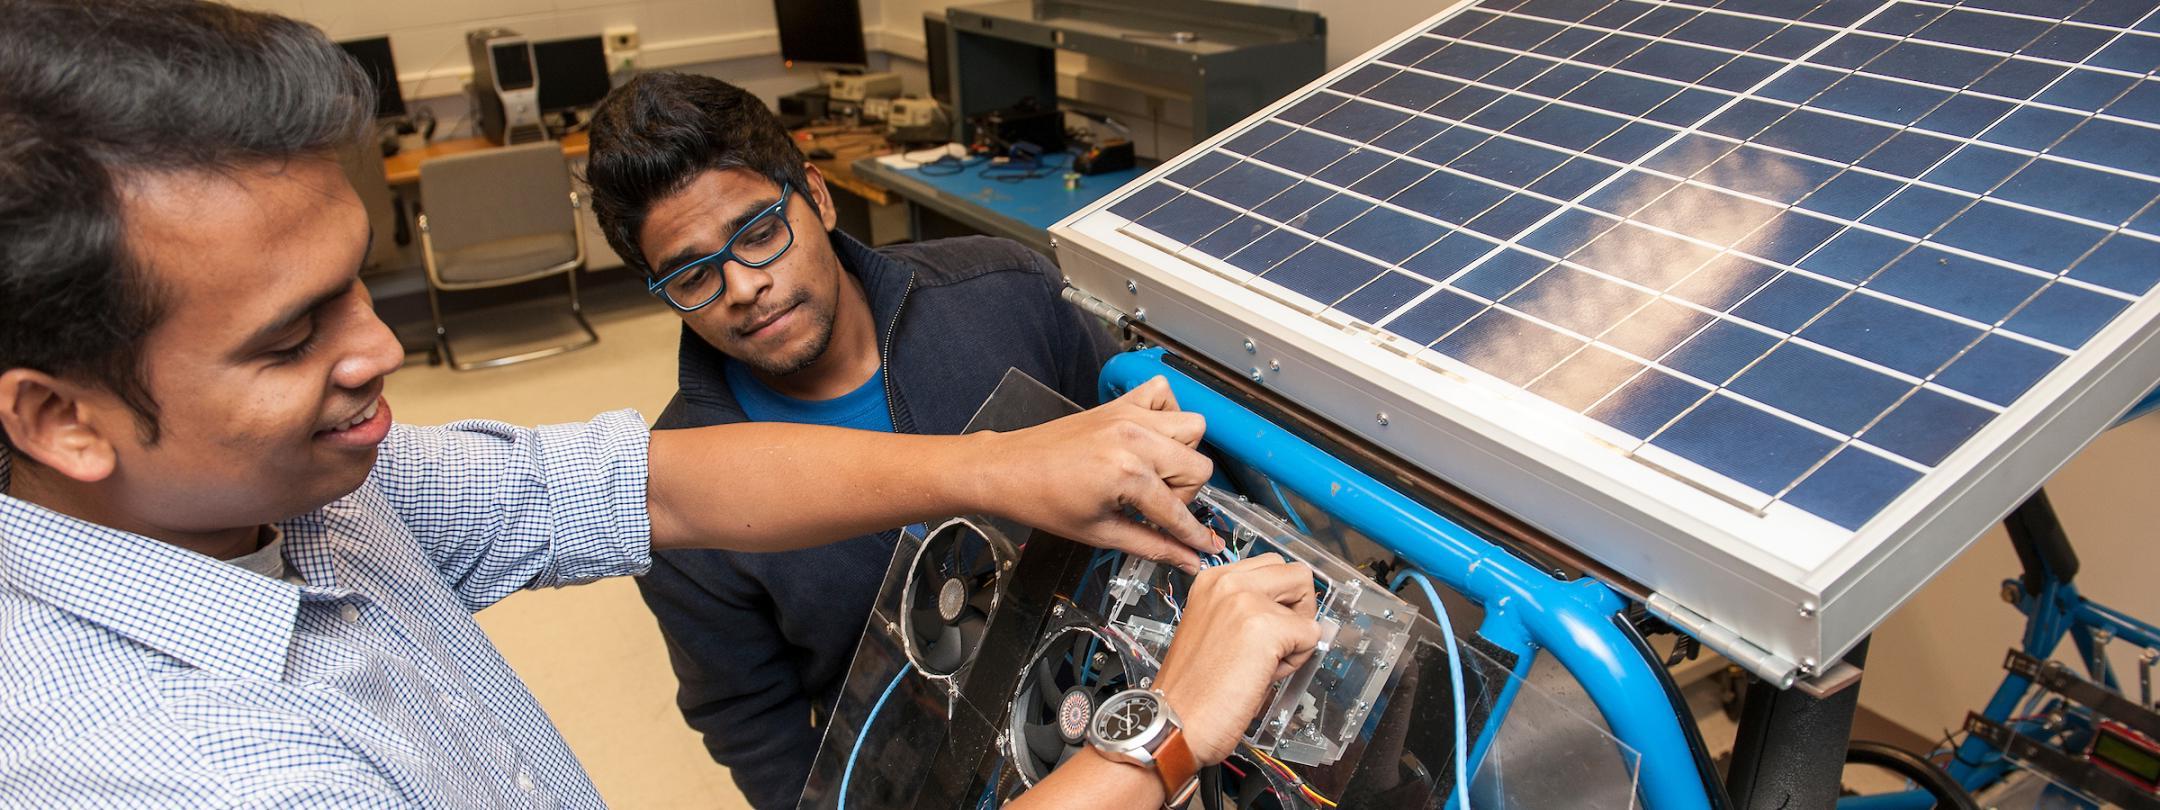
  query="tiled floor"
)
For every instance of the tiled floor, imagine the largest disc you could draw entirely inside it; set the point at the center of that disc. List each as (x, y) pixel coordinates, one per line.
(591, 653)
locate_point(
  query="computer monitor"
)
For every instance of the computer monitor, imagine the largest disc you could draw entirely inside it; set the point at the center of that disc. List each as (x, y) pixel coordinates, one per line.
(573, 72)
(936, 59)
(824, 31)
(374, 57)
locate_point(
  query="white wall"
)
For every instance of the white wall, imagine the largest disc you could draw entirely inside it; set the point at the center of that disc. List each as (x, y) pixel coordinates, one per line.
(428, 36)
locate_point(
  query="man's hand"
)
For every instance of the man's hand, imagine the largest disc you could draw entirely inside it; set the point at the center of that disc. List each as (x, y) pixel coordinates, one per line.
(1246, 625)
(1083, 476)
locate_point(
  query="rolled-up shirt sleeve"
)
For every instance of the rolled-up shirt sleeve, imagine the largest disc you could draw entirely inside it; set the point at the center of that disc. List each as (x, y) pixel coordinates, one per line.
(499, 508)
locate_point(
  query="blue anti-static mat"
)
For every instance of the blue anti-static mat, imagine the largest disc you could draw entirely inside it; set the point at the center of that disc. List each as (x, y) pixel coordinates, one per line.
(1039, 202)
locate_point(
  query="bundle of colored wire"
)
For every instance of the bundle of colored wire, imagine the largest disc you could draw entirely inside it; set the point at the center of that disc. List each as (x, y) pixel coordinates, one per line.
(847, 774)
(1290, 776)
(1462, 734)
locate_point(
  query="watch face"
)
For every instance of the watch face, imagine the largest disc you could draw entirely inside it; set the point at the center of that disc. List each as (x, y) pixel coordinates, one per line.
(1127, 719)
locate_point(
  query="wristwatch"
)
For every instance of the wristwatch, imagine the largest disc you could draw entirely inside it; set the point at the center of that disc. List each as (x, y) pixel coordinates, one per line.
(1136, 726)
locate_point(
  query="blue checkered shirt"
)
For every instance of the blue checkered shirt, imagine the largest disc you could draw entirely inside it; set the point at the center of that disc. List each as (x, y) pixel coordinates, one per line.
(137, 674)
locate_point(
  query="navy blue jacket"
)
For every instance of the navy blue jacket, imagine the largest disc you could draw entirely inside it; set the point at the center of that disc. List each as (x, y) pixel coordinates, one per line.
(762, 642)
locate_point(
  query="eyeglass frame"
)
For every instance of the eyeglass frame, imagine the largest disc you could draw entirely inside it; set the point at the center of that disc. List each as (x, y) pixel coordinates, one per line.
(726, 253)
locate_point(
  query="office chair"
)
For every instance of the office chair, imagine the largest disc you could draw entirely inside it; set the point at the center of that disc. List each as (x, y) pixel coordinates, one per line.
(363, 165)
(497, 217)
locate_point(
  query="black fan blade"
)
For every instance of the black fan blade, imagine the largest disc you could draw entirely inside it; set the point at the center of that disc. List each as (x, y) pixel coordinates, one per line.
(1111, 671)
(1082, 642)
(982, 592)
(1070, 750)
(1046, 688)
(971, 632)
(947, 653)
(1044, 742)
(926, 621)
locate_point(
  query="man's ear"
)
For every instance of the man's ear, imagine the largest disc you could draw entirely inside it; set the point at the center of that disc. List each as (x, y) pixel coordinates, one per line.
(822, 194)
(49, 421)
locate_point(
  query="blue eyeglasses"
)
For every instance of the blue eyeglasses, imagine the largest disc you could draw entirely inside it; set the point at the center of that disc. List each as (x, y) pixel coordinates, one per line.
(701, 281)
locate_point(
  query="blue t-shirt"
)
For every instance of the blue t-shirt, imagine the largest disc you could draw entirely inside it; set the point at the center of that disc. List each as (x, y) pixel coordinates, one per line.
(861, 409)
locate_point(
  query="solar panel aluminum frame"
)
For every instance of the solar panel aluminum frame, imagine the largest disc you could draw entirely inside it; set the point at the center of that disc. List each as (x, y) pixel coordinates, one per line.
(1779, 593)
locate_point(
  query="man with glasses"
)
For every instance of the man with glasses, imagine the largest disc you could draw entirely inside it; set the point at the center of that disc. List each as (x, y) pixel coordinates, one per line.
(228, 579)
(787, 319)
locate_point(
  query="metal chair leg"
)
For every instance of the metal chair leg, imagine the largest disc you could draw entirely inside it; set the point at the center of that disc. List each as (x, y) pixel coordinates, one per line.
(577, 313)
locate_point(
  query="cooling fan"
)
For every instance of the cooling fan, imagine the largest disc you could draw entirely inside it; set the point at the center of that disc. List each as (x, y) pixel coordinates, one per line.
(1057, 694)
(953, 587)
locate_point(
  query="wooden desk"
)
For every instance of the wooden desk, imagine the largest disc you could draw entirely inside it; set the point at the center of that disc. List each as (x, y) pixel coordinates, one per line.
(846, 148)
(403, 168)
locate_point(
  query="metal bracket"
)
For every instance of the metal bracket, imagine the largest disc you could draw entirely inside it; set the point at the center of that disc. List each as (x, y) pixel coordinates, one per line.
(2061, 767)
(2054, 677)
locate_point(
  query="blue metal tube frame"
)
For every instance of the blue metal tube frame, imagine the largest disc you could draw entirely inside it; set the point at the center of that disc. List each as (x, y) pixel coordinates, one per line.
(2056, 612)
(1525, 610)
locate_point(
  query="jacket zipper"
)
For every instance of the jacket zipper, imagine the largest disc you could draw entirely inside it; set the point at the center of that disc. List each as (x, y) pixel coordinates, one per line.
(892, 409)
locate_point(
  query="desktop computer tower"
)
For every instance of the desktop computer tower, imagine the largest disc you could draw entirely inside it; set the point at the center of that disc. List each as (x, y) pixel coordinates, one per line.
(505, 86)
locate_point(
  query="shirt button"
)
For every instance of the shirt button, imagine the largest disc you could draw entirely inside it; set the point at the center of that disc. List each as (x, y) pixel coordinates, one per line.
(525, 782)
(351, 613)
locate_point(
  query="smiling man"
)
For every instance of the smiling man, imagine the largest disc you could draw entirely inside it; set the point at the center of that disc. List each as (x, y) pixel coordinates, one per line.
(227, 578)
(788, 319)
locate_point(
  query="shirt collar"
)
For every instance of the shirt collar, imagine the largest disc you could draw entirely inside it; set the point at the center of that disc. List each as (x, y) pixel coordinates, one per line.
(210, 614)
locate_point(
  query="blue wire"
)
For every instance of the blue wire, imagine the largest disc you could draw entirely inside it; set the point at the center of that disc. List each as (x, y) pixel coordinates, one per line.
(1462, 731)
(847, 774)
(1287, 510)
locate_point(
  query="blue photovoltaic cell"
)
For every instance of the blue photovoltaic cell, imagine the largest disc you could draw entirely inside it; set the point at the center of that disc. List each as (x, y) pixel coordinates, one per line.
(1814, 247)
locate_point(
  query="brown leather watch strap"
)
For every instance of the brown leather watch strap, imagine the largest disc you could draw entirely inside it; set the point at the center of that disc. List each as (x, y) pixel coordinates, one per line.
(1180, 772)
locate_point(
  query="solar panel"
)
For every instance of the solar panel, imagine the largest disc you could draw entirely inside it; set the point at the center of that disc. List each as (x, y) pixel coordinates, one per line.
(1809, 272)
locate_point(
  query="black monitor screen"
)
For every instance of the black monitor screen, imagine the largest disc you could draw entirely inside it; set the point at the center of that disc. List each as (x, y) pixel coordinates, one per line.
(374, 58)
(573, 72)
(828, 31)
(513, 66)
(935, 58)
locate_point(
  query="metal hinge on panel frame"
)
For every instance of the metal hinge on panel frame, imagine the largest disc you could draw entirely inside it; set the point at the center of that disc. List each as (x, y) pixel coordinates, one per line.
(1095, 306)
(1762, 663)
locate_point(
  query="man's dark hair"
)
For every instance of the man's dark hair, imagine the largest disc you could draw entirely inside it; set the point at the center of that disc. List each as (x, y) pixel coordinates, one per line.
(654, 135)
(95, 93)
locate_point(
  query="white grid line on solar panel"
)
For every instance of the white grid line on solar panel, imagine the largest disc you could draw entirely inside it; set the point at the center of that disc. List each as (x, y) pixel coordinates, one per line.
(1781, 204)
(1577, 205)
(1708, 388)
(1996, 12)
(1497, 246)
(1630, 446)
(1179, 247)
(1428, 164)
(1815, 159)
(1866, 171)
(1981, 328)
(1776, 150)
(1901, 400)
(2104, 228)
(1597, 68)
(1682, 85)
(1929, 3)
(1877, 35)
(1946, 9)
(1489, 130)
(1789, 107)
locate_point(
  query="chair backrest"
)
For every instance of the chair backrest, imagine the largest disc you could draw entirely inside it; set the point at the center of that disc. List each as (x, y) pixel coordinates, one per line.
(363, 164)
(495, 194)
